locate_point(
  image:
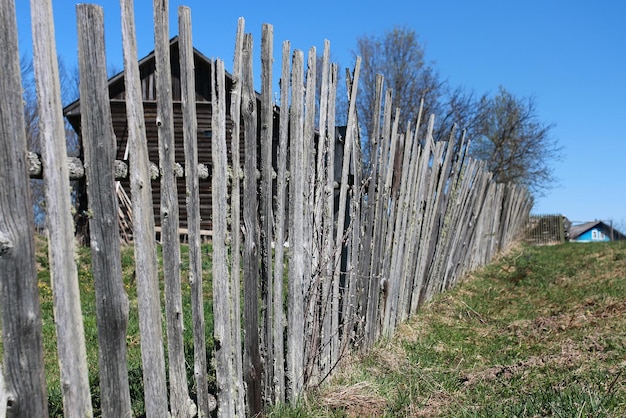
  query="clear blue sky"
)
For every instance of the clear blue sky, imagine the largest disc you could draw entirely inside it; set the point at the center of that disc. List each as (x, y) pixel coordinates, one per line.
(569, 54)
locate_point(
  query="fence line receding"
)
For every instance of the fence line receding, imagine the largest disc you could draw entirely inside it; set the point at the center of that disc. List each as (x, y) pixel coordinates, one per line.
(326, 256)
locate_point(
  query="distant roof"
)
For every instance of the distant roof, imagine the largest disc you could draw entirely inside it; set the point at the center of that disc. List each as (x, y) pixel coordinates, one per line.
(578, 230)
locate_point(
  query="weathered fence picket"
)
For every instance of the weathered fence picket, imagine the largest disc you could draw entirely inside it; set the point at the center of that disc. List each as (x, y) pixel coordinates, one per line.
(295, 291)
(235, 220)
(148, 295)
(22, 377)
(170, 240)
(363, 248)
(190, 135)
(64, 273)
(279, 389)
(265, 209)
(111, 300)
(223, 296)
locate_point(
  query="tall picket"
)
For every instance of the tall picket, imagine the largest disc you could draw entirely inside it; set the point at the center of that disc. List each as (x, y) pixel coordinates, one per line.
(148, 295)
(279, 247)
(99, 144)
(190, 136)
(222, 293)
(295, 297)
(68, 317)
(235, 217)
(265, 211)
(22, 376)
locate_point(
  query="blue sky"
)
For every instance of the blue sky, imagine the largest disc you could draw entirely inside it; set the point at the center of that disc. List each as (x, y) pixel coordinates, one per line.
(569, 55)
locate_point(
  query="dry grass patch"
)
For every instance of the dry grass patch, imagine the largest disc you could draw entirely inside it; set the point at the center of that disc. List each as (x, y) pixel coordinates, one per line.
(356, 400)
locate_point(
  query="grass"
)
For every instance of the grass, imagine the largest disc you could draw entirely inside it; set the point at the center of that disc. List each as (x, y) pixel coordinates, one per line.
(541, 332)
(85, 278)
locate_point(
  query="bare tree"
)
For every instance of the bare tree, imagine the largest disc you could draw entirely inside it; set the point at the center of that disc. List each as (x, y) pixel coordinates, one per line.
(400, 58)
(506, 131)
(515, 143)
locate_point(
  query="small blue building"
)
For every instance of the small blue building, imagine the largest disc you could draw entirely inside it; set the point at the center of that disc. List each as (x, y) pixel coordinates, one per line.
(596, 231)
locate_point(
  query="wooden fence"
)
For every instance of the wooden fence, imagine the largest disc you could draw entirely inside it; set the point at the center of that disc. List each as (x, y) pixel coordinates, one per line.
(363, 253)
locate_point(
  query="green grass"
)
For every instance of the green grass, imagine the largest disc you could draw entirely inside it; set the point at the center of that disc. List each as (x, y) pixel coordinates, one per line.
(86, 284)
(541, 332)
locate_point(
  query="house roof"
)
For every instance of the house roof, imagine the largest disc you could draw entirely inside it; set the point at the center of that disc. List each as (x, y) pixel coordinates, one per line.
(116, 82)
(578, 230)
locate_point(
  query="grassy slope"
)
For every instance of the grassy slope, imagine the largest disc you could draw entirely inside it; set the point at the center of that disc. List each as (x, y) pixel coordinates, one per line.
(541, 332)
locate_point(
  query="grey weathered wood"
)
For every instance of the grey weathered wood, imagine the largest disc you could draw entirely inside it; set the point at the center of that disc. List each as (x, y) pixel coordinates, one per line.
(341, 215)
(349, 312)
(365, 265)
(408, 227)
(63, 271)
(400, 228)
(148, 295)
(437, 228)
(266, 135)
(235, 221)
(295, 297)
(389, 208)
(421, 198)
(373, 283)
(190, 134)
(252, 369)
(22, 377)
(279, 249)
(77, 171)
(328, 224)
(99, 146)
(222, 297)
(309, 284)
(170, 240)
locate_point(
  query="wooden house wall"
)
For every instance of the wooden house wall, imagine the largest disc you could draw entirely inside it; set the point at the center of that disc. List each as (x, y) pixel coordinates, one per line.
(120, 127)
(202, 71)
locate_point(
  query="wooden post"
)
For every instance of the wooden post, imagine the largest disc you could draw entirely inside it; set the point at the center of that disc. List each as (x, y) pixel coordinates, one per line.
(377, 283)
(389, 208)
(252, 368)
(99, 145)
(341, 215)
(148, 295)
(309, 285)
(349, 312)
(372, 283)
(190, 136)
(22, 375)
(279, 248)
(68, 315)
(222, 297)
(295, 298)
(170, 240)
(329, 92)
(267, 224)
(235, 219)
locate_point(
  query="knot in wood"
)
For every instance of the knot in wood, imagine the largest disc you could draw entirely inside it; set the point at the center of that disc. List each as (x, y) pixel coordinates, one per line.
(6, 244)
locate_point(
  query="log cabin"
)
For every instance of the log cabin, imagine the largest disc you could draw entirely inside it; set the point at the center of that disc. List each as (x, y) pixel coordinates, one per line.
(204, 133)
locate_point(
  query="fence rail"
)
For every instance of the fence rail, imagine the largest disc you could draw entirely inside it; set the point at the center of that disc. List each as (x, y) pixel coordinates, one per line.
(365, 250)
